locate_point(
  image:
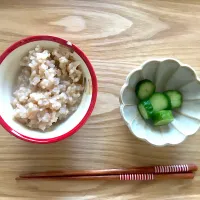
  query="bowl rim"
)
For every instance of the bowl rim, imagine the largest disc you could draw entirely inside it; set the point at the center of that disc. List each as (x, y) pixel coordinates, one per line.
(94, 87)
(140, 67)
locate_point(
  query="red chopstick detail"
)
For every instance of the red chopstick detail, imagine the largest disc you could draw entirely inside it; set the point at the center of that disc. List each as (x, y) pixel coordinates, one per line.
(136, 177)
(171, 168)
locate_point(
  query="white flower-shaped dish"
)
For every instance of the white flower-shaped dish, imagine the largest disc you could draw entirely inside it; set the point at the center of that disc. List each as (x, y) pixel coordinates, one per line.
(167, 74)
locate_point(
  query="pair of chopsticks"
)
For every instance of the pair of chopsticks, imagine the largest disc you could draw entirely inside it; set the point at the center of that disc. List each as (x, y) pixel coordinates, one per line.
(136, 173)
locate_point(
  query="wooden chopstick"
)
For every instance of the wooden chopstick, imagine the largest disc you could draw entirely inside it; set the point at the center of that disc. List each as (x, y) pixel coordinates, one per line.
(122, 177)
(135, 170)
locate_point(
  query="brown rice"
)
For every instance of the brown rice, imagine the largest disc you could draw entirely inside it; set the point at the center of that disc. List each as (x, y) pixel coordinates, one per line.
(49, 87)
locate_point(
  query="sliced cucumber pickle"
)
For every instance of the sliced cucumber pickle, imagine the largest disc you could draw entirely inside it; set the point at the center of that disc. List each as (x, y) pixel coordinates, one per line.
(157, 106)
(175, 98)
(146, 109)
(159, 101)
(162, 117)
(144, 89)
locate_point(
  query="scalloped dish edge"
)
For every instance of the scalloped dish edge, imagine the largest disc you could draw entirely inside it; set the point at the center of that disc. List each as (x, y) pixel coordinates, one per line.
(122, 105)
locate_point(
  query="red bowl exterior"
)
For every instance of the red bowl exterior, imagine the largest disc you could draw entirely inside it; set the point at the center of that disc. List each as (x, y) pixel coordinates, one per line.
(94, 86)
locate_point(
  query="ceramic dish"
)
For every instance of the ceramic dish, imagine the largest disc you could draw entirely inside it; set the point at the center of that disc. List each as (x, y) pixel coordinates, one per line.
(9, 68)
(167, 74)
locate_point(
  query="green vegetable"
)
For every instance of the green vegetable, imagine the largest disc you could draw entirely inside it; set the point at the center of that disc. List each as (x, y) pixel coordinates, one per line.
(175, 98)
(159, 102)
(162, 117)
(146, 109)
(144, 89)
(155, 105)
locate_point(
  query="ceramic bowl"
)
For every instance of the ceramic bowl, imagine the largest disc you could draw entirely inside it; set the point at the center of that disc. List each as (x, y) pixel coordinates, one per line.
(167, 74)
(9, 68)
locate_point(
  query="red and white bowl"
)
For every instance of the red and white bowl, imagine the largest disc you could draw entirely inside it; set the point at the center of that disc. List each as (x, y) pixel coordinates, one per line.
(9, 68)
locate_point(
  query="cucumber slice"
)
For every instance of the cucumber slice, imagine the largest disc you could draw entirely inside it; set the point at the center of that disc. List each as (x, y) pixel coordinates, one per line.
(162, 117)
(144, 89)
(175, 98)
(159, 102)
(146, 109)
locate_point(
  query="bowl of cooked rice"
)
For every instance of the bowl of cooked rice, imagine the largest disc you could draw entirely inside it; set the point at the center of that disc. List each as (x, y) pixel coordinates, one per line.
(48, 89)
